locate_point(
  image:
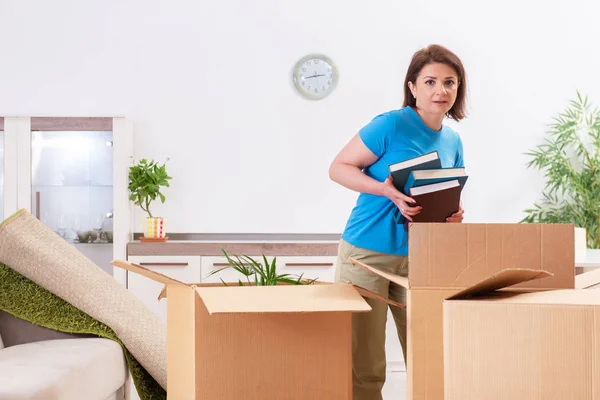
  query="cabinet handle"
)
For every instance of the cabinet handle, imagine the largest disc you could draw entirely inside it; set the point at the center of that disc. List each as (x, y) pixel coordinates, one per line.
(226, 264)
(164, 264)
(309, 264)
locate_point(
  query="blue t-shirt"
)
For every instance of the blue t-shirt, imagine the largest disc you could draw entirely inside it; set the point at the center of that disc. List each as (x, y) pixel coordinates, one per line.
(393, 137)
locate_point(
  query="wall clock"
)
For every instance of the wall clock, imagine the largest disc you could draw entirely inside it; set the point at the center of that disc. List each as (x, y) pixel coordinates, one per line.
(315, 76)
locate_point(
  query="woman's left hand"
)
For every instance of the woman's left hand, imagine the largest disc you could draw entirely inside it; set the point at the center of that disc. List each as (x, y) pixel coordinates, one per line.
(457, 216)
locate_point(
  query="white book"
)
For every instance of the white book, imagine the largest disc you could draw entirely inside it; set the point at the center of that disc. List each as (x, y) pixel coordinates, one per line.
(434, 187)
(413, 161)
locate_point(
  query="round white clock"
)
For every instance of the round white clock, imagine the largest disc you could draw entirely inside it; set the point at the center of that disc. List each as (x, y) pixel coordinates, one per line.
(315, 76)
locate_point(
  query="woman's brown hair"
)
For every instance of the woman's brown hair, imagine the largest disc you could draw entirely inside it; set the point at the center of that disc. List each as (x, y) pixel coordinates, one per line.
(437, 54)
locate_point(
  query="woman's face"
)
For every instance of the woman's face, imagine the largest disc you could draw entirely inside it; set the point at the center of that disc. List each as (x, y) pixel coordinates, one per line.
(435, 88)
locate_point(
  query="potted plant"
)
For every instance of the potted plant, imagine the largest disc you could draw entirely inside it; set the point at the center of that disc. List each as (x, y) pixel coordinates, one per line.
(570, 159)
(145, 181)
(259, 274)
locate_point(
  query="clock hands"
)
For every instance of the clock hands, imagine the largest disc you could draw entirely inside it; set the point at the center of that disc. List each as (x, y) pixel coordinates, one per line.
(314, 76)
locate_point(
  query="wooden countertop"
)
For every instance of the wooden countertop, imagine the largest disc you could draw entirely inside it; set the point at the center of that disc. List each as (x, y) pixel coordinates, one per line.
(249, 247)
(321, 245)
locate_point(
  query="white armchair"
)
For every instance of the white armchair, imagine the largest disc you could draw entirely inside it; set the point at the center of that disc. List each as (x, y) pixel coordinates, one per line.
(39, 363)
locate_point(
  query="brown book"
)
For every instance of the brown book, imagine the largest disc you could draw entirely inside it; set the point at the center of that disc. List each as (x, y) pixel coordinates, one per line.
(439, 200)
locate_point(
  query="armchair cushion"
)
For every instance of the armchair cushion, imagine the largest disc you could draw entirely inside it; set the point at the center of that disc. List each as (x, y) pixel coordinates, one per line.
(63, 369)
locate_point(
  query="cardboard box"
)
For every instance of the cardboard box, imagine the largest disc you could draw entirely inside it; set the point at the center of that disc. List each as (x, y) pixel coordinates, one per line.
(446, 258)
(511, 344)
(258, 342)
(588, 280)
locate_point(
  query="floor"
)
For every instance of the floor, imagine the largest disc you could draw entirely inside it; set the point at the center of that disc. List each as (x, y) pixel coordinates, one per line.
(395, 386)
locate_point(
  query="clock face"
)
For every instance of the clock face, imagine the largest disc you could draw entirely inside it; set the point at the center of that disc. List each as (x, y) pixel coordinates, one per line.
(315, 76)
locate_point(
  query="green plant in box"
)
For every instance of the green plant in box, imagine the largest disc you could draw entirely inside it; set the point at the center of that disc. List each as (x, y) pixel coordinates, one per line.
(259, 274)
(145, 180)
(570, 158)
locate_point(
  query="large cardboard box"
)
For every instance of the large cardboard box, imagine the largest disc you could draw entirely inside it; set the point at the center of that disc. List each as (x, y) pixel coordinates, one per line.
(258, 342)
(446, 258)
(511, 344)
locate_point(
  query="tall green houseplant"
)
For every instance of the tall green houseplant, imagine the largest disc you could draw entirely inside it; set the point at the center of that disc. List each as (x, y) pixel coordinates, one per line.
(570, 159)
(145, 180)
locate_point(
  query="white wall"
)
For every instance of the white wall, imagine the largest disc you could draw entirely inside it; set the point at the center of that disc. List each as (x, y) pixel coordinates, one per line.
(208, 84)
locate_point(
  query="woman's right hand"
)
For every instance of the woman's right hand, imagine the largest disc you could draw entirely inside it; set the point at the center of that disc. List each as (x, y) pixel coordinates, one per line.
(403, 202)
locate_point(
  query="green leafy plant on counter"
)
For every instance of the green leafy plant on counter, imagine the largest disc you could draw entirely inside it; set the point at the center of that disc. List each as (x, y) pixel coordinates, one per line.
(259, 274)
(145, 180)
(570, 159)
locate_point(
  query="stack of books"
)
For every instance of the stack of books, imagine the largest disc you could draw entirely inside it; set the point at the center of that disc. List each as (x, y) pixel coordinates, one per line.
(437, 190)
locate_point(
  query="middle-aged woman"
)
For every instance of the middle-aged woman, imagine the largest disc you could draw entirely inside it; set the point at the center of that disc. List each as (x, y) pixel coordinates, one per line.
(434, 89)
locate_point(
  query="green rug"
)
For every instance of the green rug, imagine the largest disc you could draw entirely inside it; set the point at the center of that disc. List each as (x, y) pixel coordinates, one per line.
(28, 301)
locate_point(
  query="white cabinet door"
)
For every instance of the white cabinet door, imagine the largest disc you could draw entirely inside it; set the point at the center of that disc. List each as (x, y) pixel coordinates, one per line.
(183, 268)
(311, 267)
(211, 264)
(321, 268)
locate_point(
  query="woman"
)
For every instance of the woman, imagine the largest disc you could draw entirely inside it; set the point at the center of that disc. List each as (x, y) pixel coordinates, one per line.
(434, 88)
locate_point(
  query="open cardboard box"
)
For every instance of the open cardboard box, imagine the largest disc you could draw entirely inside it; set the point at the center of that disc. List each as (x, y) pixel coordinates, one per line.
(294, 342)
(447, 258)
(512, 344)
(258, 342)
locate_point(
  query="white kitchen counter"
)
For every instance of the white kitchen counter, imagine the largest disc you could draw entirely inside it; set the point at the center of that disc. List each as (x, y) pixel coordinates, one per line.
(587, 258)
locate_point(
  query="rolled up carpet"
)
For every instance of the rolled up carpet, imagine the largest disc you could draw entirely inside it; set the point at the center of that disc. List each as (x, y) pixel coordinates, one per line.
(36, 252)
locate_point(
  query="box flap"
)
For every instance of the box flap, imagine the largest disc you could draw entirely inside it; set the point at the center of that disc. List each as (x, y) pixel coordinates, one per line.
(163, 293)
(138, 269)
(573, 297)
(587, 279)
(400, 280)
(505, 278)
(281, 299)
(372, 295)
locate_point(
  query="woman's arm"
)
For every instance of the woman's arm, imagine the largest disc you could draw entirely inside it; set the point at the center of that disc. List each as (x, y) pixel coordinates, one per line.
(346, 169)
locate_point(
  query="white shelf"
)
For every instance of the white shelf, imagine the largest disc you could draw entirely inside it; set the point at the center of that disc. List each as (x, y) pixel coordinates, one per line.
(75, 174)
(72, 186)
(79, 244)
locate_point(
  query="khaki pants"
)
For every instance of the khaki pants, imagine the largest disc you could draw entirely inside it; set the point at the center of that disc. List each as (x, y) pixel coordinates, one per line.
(368, 329)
